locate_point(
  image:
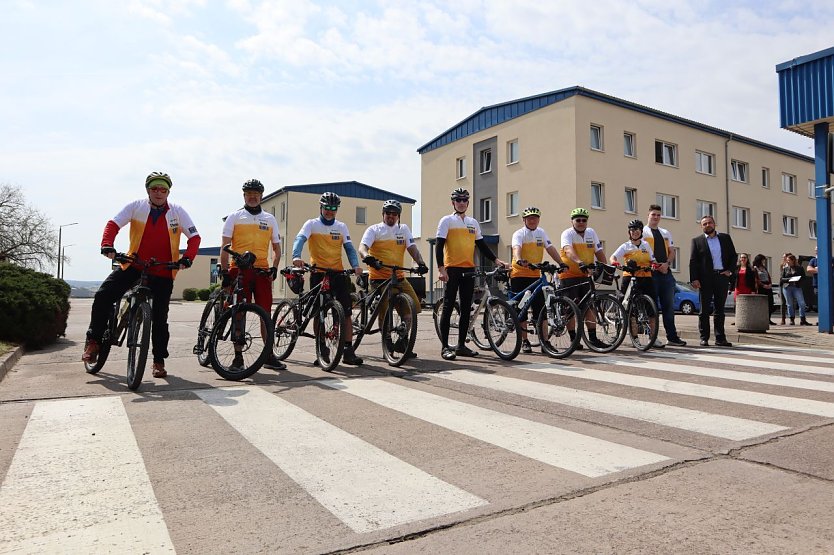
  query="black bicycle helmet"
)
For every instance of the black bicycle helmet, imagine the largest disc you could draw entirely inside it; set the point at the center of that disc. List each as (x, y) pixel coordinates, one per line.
(158, 176)
(460, 193)
(330, 199)
(635, 224)
(392, 206)
(253, 185)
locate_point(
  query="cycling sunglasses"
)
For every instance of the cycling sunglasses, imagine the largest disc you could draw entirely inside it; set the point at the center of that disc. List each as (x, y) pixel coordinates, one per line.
(333, 208)
(461, 199)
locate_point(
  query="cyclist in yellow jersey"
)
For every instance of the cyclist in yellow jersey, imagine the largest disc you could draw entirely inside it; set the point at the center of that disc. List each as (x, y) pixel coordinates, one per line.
(386, 242)
(580, 248)
(253, 229)
(529, 244)
(328, 236)
(457, 237)
(638, 251)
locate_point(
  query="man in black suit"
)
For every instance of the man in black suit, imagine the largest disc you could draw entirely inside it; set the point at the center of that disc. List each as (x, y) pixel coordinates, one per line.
(712, 262)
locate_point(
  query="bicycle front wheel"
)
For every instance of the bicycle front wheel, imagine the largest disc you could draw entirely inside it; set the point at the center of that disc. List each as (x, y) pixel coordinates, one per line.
(605, 327)
(330, 335)
(138, 341)
(285, 320)
(502, 329)
(642, 322)
(558, 318)
(207, 320)
(399, 329)
(241, 341)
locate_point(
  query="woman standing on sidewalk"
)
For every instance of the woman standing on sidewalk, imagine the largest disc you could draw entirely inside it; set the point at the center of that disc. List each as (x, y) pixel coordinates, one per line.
(792, 275)
(744, 278)
(764, 283)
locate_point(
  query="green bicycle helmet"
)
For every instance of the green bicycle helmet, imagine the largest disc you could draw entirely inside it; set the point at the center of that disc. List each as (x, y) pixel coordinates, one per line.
(579, 213)
(531, 211)
(158, 179)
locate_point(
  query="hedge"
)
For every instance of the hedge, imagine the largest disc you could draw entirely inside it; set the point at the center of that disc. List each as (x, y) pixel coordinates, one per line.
(189, 294)
(34, 306)
(203, 294)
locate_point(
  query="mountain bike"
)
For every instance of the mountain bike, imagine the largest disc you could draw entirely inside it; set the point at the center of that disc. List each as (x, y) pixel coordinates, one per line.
(214, 307)
(130, 320)
(318, 305)
(554, 320)
(499, 323)
(241, 338)
(399, 324)
(641, 311)
(602, 311)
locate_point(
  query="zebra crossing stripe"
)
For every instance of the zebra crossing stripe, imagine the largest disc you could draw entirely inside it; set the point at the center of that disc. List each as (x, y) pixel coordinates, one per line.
(799, 383)
(78, 484)
(757, 364)
(728, 427)
(778, 402)
(571, 451)
(362, 485)
(756, 352)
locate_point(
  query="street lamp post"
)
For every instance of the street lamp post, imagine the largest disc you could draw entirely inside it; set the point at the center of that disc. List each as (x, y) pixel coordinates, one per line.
(60, 228)
(64, 258)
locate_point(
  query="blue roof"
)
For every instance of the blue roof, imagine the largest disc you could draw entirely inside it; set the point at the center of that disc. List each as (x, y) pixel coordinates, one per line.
(352, 189)
(497, 114)
(806, 91)
(206, 251)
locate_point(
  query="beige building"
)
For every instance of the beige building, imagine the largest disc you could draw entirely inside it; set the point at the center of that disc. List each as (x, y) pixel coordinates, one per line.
(292, 206)
(578, 147)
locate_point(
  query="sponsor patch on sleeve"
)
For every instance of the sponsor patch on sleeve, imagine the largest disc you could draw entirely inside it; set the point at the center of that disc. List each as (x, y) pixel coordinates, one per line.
(192, 229)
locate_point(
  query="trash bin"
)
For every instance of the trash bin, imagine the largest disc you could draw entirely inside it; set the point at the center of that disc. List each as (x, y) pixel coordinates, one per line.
(752, 313)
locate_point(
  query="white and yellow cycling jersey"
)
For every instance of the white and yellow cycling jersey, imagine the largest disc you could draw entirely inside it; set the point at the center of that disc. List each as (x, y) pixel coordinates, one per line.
(533, 243)
(585, 246)
(641, 254)
(325, 242)
(460, 234)
(252, 232)
(387, 243)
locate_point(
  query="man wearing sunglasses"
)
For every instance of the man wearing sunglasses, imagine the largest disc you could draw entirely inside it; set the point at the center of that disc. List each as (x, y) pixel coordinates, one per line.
(580, 248)
(457, 237)
(386, 242)
(155, 229)
(328, 236)
(253, 229)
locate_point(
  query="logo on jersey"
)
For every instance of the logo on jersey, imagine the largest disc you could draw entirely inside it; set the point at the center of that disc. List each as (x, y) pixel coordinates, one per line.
(192, 230)
(471, 229)
(263, 226)
(539, 242)
(335, 235)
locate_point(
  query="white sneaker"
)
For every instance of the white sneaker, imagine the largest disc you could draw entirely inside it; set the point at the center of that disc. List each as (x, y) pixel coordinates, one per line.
(659, 344)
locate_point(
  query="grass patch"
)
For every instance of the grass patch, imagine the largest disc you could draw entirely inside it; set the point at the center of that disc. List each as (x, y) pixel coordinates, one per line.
(6, 347)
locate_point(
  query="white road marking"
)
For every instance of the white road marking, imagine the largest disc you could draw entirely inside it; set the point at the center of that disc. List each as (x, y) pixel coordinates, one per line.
(778, 402)
(362, 485)
(758, 364)
(751, 377)
(78, 484)
(717, 425)
(571, 451)
(781, 355)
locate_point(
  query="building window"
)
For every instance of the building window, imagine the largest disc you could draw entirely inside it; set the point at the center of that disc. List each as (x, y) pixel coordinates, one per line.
(460, 168)
(512, 152)
(739, 171)
(766, 222)
(768, 263)
(283, 210)
(486, 160)
(741, 217)
(704, 163)
(789, 226)
(596, 137)
(597, 195)
(674, 265)
(766, 178)
(788, 183)
(812, 229)
(629, 145)
(214, 271)
(360, 214)
(668, 206)
(665, 153)
(631, 200)
(704, 208)
(486, 210)
(512, 204)
(812, 188)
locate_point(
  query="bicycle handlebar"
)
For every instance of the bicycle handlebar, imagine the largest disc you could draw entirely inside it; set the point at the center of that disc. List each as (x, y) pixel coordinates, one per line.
(126, 258)
(548, 267)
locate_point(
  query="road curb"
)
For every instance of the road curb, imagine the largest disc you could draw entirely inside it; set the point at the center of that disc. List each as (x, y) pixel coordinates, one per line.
(8, 361)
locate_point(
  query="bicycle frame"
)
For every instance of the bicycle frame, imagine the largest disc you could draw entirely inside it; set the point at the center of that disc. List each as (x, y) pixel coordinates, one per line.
(485, 298)
(374, 299)
(316, 297)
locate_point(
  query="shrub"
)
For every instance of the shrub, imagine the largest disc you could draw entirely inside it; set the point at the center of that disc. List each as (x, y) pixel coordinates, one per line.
(203, 294)
(189, 294)
(214, 286)
(34, 306)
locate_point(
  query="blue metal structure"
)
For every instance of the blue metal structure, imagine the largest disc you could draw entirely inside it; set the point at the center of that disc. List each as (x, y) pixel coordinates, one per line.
(806, 106)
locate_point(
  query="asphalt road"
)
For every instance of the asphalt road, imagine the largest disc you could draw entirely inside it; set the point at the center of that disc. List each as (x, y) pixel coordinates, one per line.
(687, 450)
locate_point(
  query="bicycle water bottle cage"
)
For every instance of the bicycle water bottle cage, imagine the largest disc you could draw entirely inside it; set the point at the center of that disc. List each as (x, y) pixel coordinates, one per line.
(246, 260)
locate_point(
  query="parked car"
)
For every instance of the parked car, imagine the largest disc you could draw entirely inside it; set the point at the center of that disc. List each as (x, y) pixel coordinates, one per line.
(686, 299)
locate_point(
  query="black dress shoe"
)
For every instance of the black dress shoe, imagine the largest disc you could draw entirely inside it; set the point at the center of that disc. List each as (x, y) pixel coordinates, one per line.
(723, 343)
(465, 351)
(704, 343)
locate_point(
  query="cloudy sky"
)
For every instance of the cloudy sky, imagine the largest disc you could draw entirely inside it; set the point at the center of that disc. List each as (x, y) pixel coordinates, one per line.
(96, 94)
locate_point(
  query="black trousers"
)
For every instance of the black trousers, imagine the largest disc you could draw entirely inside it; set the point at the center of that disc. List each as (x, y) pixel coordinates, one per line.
(713, 290)
(466, 287)
(112, 289)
